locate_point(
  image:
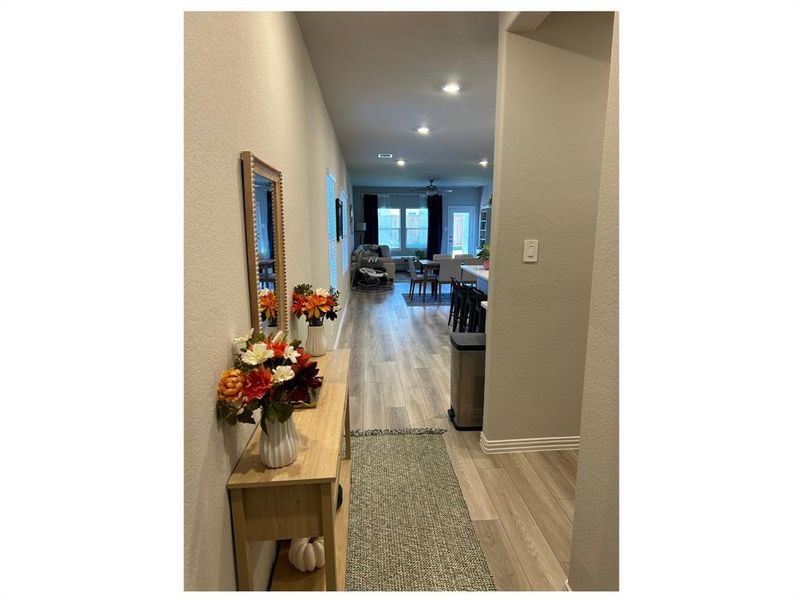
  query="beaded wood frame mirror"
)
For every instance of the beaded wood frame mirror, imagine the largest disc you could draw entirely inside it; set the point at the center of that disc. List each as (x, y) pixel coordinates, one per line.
(264, 237)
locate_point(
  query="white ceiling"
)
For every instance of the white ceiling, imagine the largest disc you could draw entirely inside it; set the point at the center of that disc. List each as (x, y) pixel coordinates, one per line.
(381, 77)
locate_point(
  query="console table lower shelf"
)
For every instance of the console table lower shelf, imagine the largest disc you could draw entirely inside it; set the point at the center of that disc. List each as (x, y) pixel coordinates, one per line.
(288, 579)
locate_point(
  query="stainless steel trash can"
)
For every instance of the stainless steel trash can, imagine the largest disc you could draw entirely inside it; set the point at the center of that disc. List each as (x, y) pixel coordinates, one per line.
(467, 357)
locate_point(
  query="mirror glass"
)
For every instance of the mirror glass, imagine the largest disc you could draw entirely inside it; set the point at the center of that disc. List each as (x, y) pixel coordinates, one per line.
(264, 244)
(265, 237)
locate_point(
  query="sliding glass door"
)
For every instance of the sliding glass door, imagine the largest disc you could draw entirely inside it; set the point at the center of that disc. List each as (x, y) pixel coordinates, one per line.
(460, 230)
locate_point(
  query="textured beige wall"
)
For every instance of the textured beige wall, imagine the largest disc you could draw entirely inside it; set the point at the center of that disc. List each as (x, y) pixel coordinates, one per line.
(594, 563)
(249, 85)
(548, 146)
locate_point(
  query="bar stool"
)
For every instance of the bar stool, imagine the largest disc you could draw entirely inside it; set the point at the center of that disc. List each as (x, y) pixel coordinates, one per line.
(473, 309)
(465, 308)
(459, 304)
(454, 291)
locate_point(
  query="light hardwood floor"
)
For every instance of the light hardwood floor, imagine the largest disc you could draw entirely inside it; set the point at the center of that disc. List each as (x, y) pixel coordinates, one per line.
(521, 504)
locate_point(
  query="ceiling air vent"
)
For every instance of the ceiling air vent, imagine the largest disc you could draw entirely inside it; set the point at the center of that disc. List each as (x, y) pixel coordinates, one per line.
(384, 155)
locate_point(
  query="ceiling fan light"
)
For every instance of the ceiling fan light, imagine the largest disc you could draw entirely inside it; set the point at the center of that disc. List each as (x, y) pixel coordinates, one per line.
(451, 87)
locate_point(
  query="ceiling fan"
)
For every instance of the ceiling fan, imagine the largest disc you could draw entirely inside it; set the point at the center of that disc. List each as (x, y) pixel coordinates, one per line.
(430, 189)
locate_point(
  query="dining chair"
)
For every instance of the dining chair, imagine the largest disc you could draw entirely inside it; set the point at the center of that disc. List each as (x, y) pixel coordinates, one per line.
(416, 279)
(449, 268)
(433, 278)
(438, 257)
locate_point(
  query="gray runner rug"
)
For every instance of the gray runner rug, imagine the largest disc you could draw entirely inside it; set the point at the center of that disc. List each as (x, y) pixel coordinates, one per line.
(409, 525)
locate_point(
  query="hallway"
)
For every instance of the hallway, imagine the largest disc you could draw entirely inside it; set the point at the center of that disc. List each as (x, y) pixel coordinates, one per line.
(521, 504)
(370, 138)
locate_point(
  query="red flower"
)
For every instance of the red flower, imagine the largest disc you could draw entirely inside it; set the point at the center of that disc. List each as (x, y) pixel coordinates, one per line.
(297, 304)
(305, 375)
(257, 384)
(303, 359)
(279, 348)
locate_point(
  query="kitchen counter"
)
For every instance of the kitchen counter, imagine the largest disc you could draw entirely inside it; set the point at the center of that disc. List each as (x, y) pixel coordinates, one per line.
(479, 271)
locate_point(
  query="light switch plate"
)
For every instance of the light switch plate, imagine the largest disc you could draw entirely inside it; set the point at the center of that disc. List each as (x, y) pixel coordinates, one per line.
(530, 251)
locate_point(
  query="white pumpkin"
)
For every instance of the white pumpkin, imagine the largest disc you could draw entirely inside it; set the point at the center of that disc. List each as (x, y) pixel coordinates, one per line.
(307, 554)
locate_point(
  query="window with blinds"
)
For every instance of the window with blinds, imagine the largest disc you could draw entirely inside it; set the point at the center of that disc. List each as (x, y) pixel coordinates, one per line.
(345, 231)
(332, 230)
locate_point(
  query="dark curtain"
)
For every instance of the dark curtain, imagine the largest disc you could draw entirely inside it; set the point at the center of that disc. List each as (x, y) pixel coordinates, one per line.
(434, 225)
(371, 218)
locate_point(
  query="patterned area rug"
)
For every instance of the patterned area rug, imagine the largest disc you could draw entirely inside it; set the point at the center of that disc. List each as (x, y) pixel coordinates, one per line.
(409, 526)
(443, 299)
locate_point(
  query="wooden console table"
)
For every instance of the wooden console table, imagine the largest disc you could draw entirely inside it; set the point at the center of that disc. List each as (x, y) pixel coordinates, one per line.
(299, 500)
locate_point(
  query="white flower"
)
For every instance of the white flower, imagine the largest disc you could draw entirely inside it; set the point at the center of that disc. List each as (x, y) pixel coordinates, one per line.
(322, 292)
(257, 354)
(281, 374)
(291, 354)
(240, 341)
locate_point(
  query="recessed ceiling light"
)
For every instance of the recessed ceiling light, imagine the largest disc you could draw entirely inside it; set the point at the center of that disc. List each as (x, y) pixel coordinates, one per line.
(384, 155)
(423, 130)
(401, 163)
(451, 87)
(484, 163)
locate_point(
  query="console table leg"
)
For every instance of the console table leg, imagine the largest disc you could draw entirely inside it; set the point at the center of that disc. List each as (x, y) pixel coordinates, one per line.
(347, 424)
(328, 513)
(243, 581)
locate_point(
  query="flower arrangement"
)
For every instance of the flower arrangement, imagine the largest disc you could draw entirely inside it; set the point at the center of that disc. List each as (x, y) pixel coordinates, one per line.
(419, 254)
(315, 305)
(270, 374)
(268, 307)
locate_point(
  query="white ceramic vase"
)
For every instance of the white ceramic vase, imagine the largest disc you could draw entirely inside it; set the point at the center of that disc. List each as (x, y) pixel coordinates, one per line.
(280, 444)
(316, 344)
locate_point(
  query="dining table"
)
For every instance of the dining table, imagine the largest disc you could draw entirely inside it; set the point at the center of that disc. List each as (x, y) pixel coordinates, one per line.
(428, 266)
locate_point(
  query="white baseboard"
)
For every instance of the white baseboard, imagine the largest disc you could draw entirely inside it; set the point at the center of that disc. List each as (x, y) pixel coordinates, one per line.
(341, 321)
(570, 442)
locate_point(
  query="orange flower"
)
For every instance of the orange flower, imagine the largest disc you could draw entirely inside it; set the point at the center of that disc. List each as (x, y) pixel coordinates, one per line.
(268, 301)
(230, 385)
(316, 306)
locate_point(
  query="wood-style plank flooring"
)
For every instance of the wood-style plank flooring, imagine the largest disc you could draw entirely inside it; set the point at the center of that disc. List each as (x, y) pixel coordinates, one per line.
(521, 504)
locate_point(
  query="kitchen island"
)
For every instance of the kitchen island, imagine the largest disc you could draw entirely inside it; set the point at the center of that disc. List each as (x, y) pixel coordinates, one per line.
(481, 273)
